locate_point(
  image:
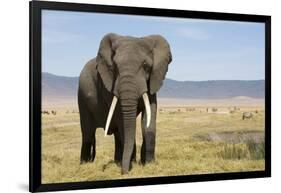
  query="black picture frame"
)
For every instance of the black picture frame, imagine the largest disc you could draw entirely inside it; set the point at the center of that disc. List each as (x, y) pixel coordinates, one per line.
(35, 8)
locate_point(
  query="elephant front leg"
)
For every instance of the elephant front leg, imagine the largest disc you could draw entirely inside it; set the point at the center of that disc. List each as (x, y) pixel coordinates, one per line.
(149, 134)
(88, 148)
(88, 128)
(134, 154)
(118, 148)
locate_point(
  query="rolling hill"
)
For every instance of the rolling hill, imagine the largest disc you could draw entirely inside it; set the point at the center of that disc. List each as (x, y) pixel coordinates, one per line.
(53, 86)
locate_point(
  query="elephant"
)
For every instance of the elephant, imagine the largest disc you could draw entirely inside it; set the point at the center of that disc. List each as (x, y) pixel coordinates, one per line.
(115, 87)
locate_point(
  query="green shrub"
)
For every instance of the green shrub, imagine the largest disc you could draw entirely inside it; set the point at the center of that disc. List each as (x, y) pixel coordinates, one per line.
(234, 151)
(249, 150)
(257, 150)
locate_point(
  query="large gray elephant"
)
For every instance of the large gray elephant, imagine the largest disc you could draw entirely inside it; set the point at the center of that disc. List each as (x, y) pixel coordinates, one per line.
(116, 86)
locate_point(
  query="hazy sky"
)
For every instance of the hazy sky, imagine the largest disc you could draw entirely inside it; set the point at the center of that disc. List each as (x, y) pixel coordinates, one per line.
(201, 49)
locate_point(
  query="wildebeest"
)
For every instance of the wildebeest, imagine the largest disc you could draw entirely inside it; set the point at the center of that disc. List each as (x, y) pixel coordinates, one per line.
(236, 108)
(45, 112)
(54, 112)
(214, 109)
(247, 115)
(191, 109)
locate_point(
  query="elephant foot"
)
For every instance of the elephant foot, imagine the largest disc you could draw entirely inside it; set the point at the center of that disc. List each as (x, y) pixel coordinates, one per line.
(150, 159)
(83, 162)
(117, 162)
(88, 160)
(147, 160)
(86, 153)
(124, 172)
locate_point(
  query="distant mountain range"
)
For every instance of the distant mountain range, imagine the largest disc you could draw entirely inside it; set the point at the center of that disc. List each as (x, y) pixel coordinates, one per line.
(53, 86)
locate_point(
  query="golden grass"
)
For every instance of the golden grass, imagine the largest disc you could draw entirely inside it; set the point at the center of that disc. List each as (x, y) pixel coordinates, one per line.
(178, 151)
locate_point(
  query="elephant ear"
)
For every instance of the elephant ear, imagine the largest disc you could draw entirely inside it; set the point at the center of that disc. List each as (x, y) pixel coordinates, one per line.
(162, 57)
(104, 60)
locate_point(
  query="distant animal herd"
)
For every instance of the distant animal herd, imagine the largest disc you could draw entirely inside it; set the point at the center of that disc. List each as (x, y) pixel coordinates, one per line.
(47, 112)
(54, 112)
(231, 110)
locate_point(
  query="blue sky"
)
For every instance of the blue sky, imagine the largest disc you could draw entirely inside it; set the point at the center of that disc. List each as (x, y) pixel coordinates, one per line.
(201, 49)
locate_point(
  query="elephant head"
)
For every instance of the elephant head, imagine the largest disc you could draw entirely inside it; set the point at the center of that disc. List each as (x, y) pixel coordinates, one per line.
(131, 68)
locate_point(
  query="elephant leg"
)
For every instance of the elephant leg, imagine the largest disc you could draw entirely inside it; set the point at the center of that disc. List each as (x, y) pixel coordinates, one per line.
(134, 154)
(93, 146)
(149, 134)
(88, 128)
(118, 148)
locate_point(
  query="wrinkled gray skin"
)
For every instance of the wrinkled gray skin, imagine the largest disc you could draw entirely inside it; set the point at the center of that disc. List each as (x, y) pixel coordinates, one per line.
(125, 67)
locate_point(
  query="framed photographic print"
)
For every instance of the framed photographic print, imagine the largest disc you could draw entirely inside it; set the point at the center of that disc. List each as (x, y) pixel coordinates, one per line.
(126, 96)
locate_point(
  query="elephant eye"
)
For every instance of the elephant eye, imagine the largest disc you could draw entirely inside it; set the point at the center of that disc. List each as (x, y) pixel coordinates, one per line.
(100, 56)
(146, 66)
(147, 63)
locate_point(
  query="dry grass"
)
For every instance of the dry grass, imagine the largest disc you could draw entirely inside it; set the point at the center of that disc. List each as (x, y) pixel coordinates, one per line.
(178, 150)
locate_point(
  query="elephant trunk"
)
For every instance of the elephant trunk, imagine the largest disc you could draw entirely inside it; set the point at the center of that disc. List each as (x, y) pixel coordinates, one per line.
(128, 97)
(128, 110)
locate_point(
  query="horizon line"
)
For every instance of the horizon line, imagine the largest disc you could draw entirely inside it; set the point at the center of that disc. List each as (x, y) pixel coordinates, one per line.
(172, 78)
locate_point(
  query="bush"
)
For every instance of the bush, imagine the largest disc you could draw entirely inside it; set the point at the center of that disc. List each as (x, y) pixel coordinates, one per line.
(257, 150)
(234, 151)
(248, 150)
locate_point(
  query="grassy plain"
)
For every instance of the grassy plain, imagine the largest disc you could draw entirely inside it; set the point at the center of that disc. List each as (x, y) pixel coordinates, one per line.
(189, 140)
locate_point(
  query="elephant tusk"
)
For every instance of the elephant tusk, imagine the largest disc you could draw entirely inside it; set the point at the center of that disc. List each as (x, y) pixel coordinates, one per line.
(147, 109)
(110, 113)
